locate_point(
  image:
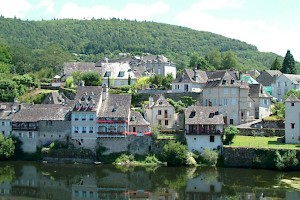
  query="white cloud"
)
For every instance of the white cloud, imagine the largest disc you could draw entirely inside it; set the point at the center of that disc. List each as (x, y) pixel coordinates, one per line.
(47, 4)
(14, 8)
(130, 11)
(217, 4)
(266, 35)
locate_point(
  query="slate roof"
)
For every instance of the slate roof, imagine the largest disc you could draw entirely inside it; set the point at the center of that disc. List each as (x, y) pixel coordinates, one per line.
(116, 105)
(87, 95)
(8, 109)
(136, 119)
(257, 90)
(38, 112)
(203, 115)
(295, 78)
(70, 67)
(159, 101)
(292, 98)
(188, 77)
(226, 78)
(267, 77)
(118, 71)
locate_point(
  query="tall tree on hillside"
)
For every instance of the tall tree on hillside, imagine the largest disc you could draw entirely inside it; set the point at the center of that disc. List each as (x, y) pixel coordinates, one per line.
(230, 61)
(276, 65)
(288, 65)
(215, 58)
(200, 62)
(5, 59)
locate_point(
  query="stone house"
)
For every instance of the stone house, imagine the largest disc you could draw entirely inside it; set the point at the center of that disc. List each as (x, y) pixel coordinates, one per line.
(7, 111)
(262, 100)
(41, 124)
(230, 96)
(190, 81)
(283, 84)
(204, 128)
(267, 77)
(137, 124)
(159, 112)
(292, 119)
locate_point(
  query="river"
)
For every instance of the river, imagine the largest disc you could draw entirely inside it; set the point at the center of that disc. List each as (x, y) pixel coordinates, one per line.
(30, 180)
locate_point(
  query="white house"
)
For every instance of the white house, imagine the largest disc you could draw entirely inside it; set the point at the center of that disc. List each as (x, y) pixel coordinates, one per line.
(284, 83)
(160, 112)
(292, 119)
(203, 128)
(189, 81)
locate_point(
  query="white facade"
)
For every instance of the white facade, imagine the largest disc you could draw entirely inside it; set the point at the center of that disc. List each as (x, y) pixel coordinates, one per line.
(5, 127)
(283, 84)
(264, 107)
(292, 120)
(186, 87)
(201, 142)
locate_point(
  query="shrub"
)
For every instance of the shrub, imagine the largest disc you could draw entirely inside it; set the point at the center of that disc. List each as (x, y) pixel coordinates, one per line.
(230, 132)
(151, 159)
(287, 161)
(210, 157)
(125, 158)
(175, 153)
(191, 159)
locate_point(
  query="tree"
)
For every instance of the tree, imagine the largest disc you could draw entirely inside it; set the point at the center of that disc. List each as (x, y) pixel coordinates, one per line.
(287, 161)
(230, 132)
(278, 110)
(8, 90)
(129, 79)
(230, 61)
(141, 83)
(215, 58)
(198, 61)
(91, 78)
(175, 153)
(295, 92)
(288, 65)
(7, 147)
(276, 65)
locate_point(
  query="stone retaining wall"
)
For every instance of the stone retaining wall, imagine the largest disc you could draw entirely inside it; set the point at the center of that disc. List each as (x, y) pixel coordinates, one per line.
(261, 132)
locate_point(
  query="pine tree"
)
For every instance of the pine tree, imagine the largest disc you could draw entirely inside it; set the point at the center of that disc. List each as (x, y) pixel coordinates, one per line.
(276, 65)
(288, 65)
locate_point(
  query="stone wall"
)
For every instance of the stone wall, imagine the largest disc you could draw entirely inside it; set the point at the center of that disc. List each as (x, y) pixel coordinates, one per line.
(133, 144)
(261, 132)
(262, 158)
(277, 124)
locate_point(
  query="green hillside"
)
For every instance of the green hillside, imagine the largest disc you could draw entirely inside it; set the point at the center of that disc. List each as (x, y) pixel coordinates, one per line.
(94, 39)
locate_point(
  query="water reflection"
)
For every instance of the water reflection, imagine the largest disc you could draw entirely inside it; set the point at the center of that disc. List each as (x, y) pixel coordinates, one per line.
(49, 181)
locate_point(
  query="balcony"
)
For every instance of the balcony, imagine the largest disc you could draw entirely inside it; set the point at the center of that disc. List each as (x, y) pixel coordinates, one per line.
(24, 126)
(112, 121)
(163, 116)
(122, 133)
(212, 132)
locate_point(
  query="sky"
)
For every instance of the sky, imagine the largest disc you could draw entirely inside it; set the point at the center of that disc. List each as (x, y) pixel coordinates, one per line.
(271, 25)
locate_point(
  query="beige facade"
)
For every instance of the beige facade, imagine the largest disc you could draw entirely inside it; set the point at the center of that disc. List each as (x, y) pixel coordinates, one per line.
(232, 101)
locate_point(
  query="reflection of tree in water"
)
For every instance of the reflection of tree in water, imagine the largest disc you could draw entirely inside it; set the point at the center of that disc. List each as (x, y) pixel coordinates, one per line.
(7, 173)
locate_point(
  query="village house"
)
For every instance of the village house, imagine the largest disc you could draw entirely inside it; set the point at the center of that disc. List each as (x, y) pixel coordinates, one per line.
(137, 124)
(71, 67)
(204, 128)
(262, 100)
(41, 124)
(190, 81)
(230, 96)
(292, 119)
(267, 77)
(283, 84)
(160, 113)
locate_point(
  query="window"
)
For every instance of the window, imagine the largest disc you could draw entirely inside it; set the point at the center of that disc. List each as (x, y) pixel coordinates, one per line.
(233, 102)
(292, 125)
(83, 129)
(91, 117)
(233, 90)
(225, 101)
(279, 91)
(83, 118)
(278, 84)
(76, 117)
(3, 123)
(76, 129)
(225, 90)
(159, 122)
(91, 129)
(121, 74)
(20, 134)
(30, 135)
(212, 138)
(107, 74)
(292, 104)
(285, 84)
(166, 122)
(134, 129)
(266, 101)
(159, 112)
(231, 121)
(285, 91)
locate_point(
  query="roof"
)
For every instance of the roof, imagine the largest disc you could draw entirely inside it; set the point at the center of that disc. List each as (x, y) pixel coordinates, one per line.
(292, 98)
(70, 67)
(116, 105)
(118, 71)
(188, 76)
(136, 119)
(8, 109)
(159, 101)
(258, 90)
(248, 79)
(295, 78)
(38, 112)
(267, 77)
(203, 115)
(223, 78)
(87, 98)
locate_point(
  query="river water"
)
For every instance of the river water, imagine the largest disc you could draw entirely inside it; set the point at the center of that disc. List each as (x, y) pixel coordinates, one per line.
(30, 180)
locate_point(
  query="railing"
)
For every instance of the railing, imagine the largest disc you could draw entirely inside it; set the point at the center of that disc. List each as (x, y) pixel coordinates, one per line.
(112, 121)
(204, 133)
(164, 116)
(123, 133)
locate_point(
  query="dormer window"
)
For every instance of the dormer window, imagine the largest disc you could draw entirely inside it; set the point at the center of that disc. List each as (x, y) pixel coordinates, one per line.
(121, 74)
(107, 74)
(115, 108)
(211, 115)
(232, 81)
(160, 103)
(192, 115)
(223, 82)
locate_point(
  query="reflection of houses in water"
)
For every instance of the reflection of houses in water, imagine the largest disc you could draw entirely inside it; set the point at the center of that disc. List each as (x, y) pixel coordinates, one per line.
(165, 194)
(206, 186)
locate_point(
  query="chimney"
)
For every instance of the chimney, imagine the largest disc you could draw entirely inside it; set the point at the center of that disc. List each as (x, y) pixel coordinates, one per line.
(20, 107)
(150, 101)
(195, 74)
(104, 92)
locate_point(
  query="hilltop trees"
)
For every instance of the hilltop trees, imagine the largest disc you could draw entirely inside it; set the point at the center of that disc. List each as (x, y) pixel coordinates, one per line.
(288, 65)
(276, 64)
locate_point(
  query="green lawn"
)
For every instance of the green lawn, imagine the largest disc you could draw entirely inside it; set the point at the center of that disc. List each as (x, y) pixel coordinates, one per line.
(256, 141)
